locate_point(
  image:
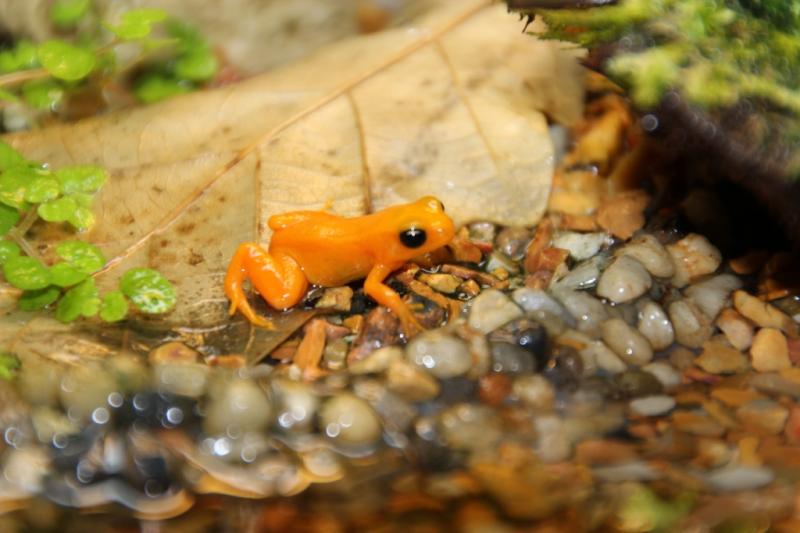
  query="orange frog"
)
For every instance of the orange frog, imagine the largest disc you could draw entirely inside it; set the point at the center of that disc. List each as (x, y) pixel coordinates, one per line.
(328, 250)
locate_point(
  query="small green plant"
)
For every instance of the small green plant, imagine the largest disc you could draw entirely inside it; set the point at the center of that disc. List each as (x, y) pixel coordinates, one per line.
(719, 55)
(9, 364)
(29, 191)
(42, 75)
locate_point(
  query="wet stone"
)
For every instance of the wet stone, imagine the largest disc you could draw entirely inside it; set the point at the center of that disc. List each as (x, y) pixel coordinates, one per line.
(692, 327)
(565, 367)
(652, 405)
(439, 353)
(711, 295)
(717, 358)
(238, 403)
(655, 326)
(697, 423)
(533, 300)
(512, 241)
(589, 312)
(410, 382)
(349, 420)
(635, 383)
(603, 357)
(651, 254)
(491, 309)
(770, 351)
(762, 313)
(511, 359)
(581, 246)
(737, 329)
(738, 478)
(534, 391)
(693, 256)
(377, 361)
(470, 427)
(494, 388)
(624, 280)
(665, 373)
(627, 342)
(763, 416)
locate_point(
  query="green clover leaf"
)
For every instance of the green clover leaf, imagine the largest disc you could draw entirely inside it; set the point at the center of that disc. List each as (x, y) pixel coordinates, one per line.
(26, 273)
(81, 178)
(83, 256)
(66, 61)
(67, 13)
(8, 218)
(65, 275)
(81, 300)
(137, 23)
(114, 307)
(148, 290)
(38, 299)
(8, 365)
(8, 249)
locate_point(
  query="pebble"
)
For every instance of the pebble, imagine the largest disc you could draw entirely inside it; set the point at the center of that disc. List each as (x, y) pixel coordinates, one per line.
(237, 405)
(439, 353)
(410, 382)
(512, 241)
(554, 444)
(173, 352)
(336, 299)
(349, 420)
(296, 404)
(583, 276)
(624, 280)
(39, 381)
(740, 477)
(468, 426)
(737, 329)
(534, 391)
(534, 300)
(604, 452)
(693, 256)
(716, 358)
(598, 354)
(588, 312)
(763, 416)
(186, 379)
(494, 388)
(652, 405)
(84, 393)
(445, 283)
(697, 423)
(627, 342)
(497, 263)
(581, 246)
(377, 361)
(490, 310)
(692, 327)
(711, 295)
(665, 373)
(770, 351)
(633, 471)
(762, 313)
(651, 254)
(655, 326)
(634, 383)
(512, 359)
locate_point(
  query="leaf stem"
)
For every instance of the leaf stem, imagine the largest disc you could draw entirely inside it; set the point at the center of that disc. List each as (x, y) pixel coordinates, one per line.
(14, 78)
(17, 233)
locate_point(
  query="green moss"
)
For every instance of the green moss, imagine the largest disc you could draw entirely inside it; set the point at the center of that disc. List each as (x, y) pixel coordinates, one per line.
(716, 53)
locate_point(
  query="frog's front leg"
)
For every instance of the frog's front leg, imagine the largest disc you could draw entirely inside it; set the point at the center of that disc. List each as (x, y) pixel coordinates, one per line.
(276, 277)
(384, 295)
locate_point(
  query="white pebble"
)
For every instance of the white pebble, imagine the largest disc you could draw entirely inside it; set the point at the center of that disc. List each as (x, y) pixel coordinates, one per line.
(692, 327)
(740, 478)
(588, 311)
(624, 280)
(237, 404)
(665, 373)
(652, 405)
(598, 354)
(533, 300)
(712, 295)
(583, 276)
(627, 342)
(580, 245)
(693, 256)
(349, 420)
(650, 253)
(492, 309)
(440, 354)
(654, 324)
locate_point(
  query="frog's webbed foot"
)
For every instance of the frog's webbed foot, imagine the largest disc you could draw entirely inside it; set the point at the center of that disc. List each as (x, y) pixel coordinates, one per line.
(234, 278)
(384, 295)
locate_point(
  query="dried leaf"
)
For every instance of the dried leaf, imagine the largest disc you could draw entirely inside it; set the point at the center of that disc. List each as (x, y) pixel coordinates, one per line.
(453, 107)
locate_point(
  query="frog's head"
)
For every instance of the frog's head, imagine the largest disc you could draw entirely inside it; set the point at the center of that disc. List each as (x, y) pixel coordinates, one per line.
(421, 227)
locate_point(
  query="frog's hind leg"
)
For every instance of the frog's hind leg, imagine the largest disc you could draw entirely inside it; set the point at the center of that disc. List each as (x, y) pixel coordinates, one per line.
(276, 277)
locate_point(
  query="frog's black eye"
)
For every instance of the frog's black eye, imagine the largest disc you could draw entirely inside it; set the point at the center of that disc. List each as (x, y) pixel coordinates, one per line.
(413, 237)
